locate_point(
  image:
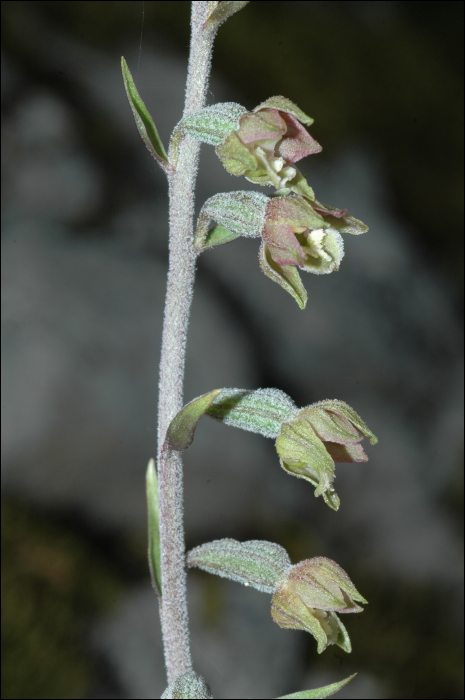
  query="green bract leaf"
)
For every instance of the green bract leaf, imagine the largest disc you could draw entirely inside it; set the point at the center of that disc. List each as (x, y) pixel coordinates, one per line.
(210, 125)
(261, 411)
(287, 276)
(242, 213)
(325, 692)
(181, 430)
(189, 685)
(223, 11)
(153, 526)
(219, 235)
(144, 121)
(255, 563)
(284, 104)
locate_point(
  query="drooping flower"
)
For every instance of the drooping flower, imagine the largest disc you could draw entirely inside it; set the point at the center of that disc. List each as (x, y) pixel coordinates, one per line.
(295, 232)
(268, 143)
(308, 598)
(318, 436)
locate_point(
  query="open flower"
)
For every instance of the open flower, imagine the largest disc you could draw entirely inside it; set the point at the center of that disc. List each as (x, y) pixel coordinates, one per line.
(308, 598)
(295, 232)
(267, 144)
(318, 436)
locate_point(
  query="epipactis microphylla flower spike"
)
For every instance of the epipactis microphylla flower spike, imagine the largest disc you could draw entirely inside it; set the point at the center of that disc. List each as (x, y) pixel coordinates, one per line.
(267, 144)
(318, 436)
(308, 597)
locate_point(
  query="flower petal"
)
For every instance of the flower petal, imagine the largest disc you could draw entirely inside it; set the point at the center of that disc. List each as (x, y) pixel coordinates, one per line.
(297, 142)
(287, 276)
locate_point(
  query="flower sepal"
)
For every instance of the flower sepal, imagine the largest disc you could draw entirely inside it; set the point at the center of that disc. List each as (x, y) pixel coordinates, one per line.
(308, 598)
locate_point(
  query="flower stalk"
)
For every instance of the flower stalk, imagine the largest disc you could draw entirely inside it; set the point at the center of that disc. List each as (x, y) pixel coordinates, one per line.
(173, 605)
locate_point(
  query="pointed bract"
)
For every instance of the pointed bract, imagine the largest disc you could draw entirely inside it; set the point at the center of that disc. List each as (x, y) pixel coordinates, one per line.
(181, 430)
(255, 563)
(154, 552)
(144, 121)
(261, 411)
(325, 692)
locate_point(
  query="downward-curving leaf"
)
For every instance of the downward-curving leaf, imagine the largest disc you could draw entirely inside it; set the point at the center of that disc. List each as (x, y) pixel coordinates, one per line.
(255, 563)
(153, 526)
(261, 411)
(181, 430)
(210, 125)
(219, 235)
(144, 121)
(325, 692)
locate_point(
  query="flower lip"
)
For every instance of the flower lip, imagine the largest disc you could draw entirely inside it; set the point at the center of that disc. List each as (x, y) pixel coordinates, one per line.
(297, 235)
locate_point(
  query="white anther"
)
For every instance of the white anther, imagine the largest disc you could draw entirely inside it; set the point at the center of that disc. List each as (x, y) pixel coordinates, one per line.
(287, 174)
(277, 164)
(315, 245)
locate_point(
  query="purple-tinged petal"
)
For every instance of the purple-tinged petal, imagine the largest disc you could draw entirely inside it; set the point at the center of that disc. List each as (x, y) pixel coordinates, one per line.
(346, 453)
(297, 142)
(264, 125)
(287, 276)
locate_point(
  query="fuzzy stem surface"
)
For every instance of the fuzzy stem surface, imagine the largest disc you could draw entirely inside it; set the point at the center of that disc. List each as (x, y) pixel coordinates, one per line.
(182, 256)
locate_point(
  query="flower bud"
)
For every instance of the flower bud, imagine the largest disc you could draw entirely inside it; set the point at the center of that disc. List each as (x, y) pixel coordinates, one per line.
(267, 143)
(318, 436)
(309, 596)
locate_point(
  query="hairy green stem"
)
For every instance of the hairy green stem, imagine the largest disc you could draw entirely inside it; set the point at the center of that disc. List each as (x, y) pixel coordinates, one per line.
(182, 255)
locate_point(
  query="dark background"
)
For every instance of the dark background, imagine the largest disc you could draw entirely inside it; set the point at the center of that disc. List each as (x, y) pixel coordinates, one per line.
(84, 255)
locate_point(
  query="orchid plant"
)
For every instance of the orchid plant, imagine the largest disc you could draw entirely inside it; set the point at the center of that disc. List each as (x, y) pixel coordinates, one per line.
(297, 232)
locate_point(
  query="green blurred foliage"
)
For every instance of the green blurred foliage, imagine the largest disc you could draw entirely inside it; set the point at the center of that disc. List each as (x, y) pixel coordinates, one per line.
(53, 584)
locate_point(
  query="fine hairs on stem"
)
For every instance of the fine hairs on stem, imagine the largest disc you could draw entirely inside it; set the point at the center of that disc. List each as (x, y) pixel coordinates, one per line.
(173, 605)
(296, 232)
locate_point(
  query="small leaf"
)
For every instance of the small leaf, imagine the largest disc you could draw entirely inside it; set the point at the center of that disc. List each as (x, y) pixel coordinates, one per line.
(256, 563)
(153, 526)
(144, 121)
(210, 125)
(324, 692)
(261, 411)
(287, 276)
(242, 213)
(181, 430)
(223, 11)
(219, 235)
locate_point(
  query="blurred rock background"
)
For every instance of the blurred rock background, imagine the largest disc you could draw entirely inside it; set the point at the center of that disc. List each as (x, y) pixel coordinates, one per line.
(84, 264)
